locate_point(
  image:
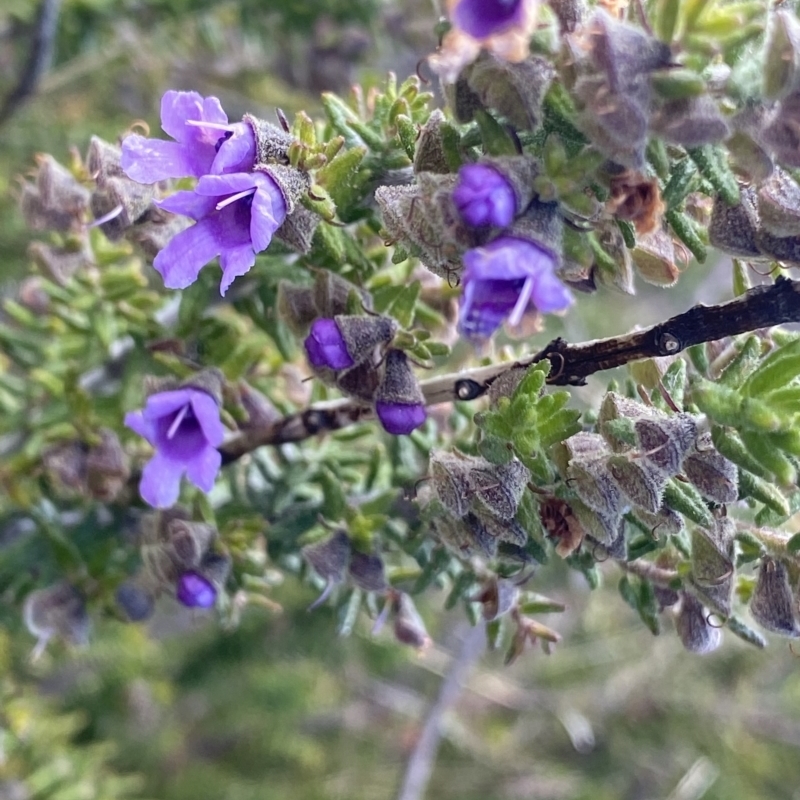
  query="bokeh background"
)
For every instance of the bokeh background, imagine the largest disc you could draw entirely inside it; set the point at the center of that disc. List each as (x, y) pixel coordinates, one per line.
(283, 706)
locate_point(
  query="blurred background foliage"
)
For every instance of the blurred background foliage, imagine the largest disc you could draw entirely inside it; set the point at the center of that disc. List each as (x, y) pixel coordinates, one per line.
(282, 706)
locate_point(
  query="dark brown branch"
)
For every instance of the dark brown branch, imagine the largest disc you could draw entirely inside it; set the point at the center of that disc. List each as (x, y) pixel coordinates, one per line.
(761, 307)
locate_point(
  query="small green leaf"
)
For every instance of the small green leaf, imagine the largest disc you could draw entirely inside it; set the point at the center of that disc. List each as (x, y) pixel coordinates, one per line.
(684, 229)
(764, 492)
(741, 278)
(743, 364)
(404, 304)
(776, 371)
(496, 139)
(685, 499)
(713, 165)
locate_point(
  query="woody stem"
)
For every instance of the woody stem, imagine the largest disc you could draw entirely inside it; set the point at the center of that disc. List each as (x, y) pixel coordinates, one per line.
(760, 307)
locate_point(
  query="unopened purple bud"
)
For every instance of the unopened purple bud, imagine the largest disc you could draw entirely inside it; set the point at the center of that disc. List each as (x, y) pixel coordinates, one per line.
(400, 404)
(400, 419)
(195, 591)
(348, 340)
(484, 196)
(483, 18)
(326, 346)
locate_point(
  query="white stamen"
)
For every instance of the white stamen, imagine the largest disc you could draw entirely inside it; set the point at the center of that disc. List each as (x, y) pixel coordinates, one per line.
(522, 302)
(217, 126)
(176, 423)
(113, 214)
(233, 198)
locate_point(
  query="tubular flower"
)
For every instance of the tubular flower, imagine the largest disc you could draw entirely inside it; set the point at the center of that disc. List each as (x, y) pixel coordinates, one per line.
(236, 216)
(205, 143)
(504, 280)
(483, 196)
(184, 428)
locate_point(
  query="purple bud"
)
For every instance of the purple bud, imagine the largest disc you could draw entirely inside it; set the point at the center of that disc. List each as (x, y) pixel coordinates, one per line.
(326, 346)
(348, 340)
(195, 591)
(400, 418)
(483, 18)
(484, 196)
(400, 404)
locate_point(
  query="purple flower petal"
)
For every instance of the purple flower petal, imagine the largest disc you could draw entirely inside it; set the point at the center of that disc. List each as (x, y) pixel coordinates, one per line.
(161, 481)
(221, 185)
(400, 418)
(483, 18)
(326, 346)
(136, 422)
(202, 470)
(162, 404)
(550, 295)
(195, 147)
(267, 213)
(236, 215)
(237, 153)
(195, 591)
(184, 427)
(206, 411)
(177, 108)
(235, 261)
(180, 262)
(507, 278)
(483, 196)
(189, 204)
(152, 160)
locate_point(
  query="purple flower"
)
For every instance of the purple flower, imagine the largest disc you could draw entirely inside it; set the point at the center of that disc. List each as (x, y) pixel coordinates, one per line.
(236, 217)
(326, 346)
(204, 142)
(484, 196)
(195, 591)
(400, 418)
(185, 429)
(505, 279)
(483, 18)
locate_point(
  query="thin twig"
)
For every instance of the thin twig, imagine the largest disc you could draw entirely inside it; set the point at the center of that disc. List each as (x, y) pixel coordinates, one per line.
(422, 759)
(650, 572)
(761, 307)
(39, 58)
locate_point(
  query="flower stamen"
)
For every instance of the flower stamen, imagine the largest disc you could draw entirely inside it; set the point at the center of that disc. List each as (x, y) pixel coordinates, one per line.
(234, 197)
(113, 214)
(176, 423)
(522, 302)
(217, 126)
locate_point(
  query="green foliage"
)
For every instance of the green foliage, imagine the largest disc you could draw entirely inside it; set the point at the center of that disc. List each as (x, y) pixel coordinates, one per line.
(531, 420)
